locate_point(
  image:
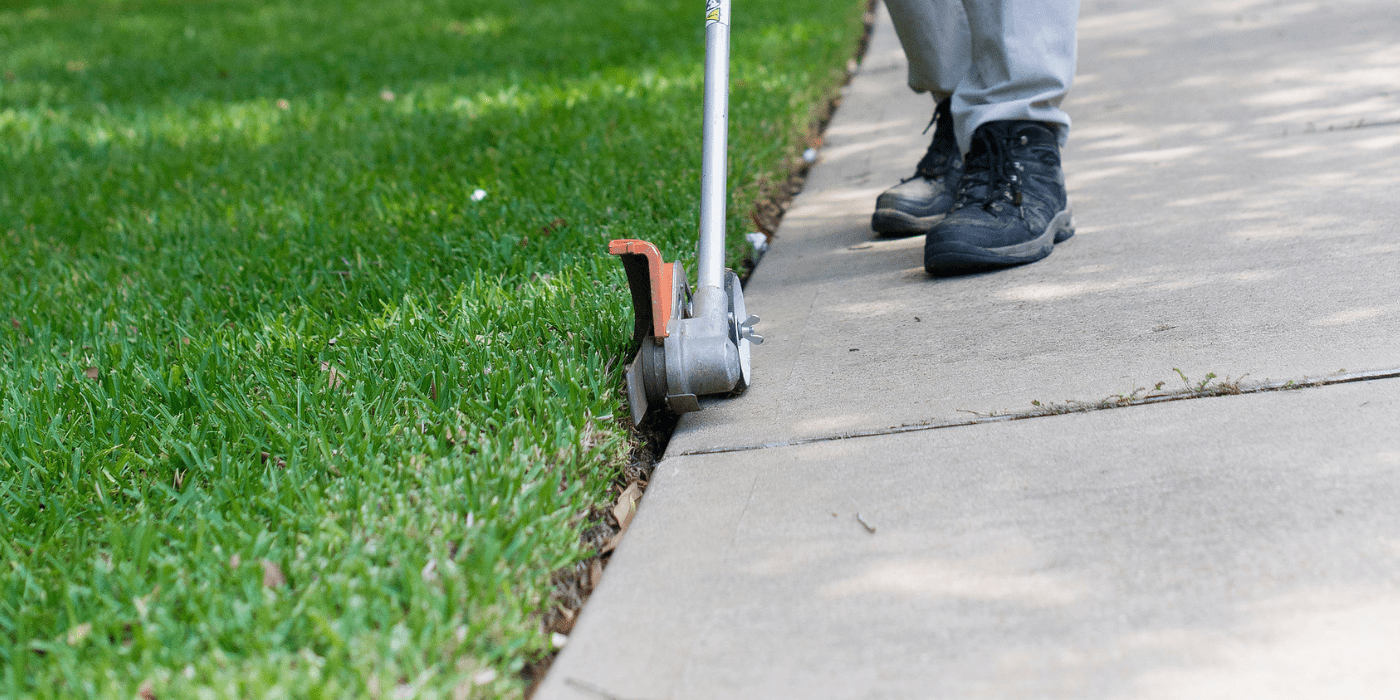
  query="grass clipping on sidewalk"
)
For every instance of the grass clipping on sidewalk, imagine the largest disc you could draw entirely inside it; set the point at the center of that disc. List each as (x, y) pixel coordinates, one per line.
(287, 407)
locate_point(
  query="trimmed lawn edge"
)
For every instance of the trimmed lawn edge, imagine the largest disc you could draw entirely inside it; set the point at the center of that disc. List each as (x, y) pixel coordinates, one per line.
(574, 584)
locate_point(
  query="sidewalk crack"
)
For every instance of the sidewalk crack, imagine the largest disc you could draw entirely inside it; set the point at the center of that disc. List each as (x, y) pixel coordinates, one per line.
(1046, 412)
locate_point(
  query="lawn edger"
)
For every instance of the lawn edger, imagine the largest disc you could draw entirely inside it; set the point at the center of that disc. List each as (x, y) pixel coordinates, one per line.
(692, 343)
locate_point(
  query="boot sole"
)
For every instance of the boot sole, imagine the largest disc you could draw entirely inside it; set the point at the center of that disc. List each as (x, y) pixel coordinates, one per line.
(892, 223)
(955, 258)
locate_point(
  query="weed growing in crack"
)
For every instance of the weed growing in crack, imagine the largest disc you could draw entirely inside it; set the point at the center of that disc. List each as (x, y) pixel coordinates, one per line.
(1204, 387)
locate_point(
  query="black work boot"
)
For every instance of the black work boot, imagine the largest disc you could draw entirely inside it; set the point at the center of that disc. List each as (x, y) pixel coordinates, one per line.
(1011, 207)
(917, 203)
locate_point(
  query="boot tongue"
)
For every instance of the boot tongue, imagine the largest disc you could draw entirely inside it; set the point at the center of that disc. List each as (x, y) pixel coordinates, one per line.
(994, 163)
(979, 179)
(984, 148)
(990, 177)
(943, 152)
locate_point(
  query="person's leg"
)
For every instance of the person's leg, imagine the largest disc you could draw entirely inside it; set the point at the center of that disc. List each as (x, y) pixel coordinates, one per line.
(1022, 64)
(936, 41)
(1010, 207)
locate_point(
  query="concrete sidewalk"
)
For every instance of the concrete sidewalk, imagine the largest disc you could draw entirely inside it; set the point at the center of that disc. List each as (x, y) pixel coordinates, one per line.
(1234, 169)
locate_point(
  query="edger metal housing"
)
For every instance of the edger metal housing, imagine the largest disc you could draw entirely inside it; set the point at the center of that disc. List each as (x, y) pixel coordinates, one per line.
(692, 343)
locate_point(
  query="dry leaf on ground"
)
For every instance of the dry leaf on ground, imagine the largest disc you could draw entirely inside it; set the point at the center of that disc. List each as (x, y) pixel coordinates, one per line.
(612, 542)
(334, 377)
(564, 623)
(595, 574)
(626, 506)
(272, 575)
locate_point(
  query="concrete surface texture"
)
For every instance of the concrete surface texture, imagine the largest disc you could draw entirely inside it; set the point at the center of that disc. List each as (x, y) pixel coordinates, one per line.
(1217, 234)
(1233, 169)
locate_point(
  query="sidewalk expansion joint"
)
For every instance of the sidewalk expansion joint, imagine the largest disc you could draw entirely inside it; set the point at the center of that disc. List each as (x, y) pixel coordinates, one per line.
(1072, 407)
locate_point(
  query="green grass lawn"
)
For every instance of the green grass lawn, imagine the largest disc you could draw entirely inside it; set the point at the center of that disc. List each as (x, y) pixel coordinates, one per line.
(283, 411)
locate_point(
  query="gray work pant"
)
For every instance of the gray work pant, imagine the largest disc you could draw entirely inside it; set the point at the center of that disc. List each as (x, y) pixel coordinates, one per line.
(999, 59)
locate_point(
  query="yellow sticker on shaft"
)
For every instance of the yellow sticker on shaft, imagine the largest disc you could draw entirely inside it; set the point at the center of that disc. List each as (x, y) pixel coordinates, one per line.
(716, 11)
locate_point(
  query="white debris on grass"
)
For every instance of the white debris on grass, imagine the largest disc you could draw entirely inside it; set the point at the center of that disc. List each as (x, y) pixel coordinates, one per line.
(758, 240)
(478, 195)
(809, 156)
(559, 640)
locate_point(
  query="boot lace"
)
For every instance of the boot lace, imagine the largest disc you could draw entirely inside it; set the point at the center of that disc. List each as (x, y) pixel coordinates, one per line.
(936, 163)
(942, 155)
(993, 174)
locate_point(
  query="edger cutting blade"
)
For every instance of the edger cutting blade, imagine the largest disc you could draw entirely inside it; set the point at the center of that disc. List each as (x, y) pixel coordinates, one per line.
(659, 294)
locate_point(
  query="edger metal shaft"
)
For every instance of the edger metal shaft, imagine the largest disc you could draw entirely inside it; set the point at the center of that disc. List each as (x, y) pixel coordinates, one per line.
(692, 344)
(714, 159)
